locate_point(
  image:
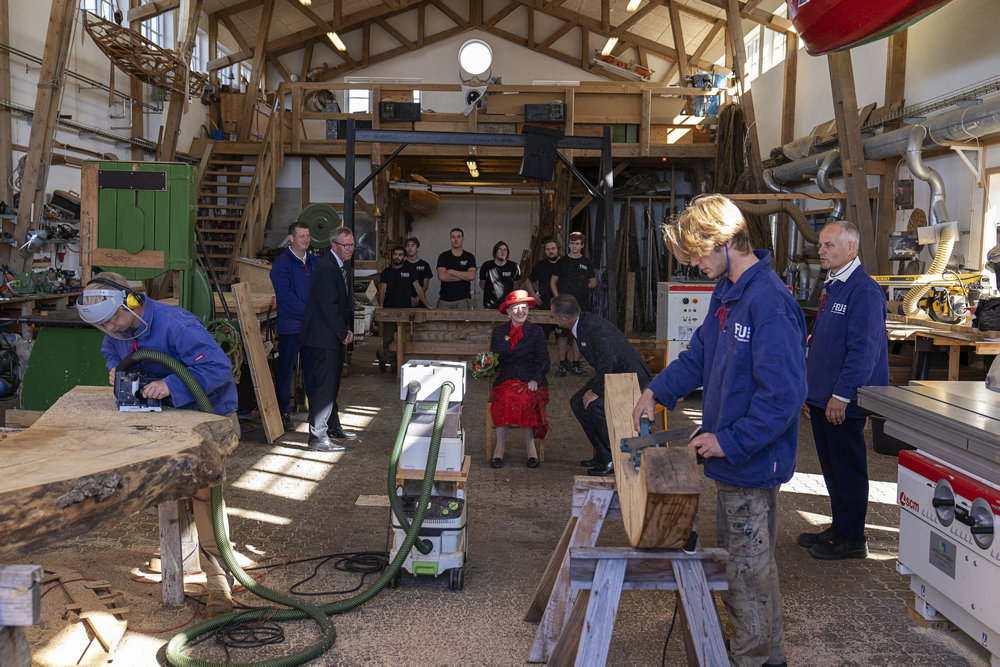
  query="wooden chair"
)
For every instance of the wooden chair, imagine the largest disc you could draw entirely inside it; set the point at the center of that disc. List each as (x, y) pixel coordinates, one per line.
(539, 442)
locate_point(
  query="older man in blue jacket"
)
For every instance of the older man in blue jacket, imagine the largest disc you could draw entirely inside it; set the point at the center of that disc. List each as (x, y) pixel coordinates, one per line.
(847, 350)
(749, 356)
(290, 276)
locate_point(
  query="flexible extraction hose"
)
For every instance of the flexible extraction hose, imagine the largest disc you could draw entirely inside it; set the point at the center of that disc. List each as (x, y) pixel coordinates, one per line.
(423, 546)
(177, 643)
(831, 160)
(782, 206)
(911, 302)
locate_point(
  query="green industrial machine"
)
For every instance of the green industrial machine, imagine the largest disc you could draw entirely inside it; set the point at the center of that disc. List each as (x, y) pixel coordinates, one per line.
(144, 226)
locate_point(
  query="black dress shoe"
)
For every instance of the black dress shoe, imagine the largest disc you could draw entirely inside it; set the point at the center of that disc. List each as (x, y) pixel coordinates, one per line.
(325, 445)
(602, 469)
(286, 422)
(590, 463)
(341, 434)
(532, 462)
(496, 463)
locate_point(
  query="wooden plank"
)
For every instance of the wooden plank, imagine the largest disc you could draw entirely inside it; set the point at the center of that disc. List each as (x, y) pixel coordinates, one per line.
(659, 501)
(648, 569)
(144, 259)
(557, 611)
(14, 649)
(178, 537)
(548, 580)
(605, 592)
(703, 629)
(20, 594)
(253, 343)
(566, 648)
(21, 418)
(439, 475)
(84, 463)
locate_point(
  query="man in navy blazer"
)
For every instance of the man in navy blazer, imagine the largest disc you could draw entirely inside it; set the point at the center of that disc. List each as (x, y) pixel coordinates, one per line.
(607, 351)
(327, 329)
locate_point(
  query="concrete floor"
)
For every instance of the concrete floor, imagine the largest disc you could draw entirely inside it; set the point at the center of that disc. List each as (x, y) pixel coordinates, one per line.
(286, 502)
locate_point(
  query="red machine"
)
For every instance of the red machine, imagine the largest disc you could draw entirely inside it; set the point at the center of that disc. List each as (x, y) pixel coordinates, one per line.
(832, 25)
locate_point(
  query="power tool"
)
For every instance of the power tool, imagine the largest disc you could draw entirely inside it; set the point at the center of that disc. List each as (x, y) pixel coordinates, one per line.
(128, 393)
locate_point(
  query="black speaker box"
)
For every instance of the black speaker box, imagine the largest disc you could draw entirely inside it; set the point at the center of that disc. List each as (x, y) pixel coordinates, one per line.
(545, 113)
(390, 110)
(539, 159)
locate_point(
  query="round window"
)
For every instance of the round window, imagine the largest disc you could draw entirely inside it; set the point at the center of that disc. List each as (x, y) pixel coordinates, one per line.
(475, 56)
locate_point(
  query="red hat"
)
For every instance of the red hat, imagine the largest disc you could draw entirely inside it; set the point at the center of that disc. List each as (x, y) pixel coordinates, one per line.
(517, 296)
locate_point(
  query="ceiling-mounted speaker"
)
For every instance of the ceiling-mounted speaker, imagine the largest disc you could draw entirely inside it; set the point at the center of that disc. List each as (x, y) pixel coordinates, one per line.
(539, 159)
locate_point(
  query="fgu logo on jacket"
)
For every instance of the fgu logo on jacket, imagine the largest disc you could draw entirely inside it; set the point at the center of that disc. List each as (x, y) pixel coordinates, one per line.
(742, 332)
(839, 309)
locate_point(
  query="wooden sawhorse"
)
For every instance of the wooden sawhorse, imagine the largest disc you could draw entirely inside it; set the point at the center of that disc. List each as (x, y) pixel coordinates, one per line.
(576, 628)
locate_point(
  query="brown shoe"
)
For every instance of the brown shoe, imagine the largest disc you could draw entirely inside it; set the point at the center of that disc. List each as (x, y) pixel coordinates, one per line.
(218, 603)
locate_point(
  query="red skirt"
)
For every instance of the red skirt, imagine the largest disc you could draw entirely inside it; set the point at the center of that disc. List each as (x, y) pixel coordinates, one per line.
(515, 405)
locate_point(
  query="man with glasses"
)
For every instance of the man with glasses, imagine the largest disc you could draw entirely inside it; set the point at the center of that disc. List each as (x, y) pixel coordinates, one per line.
(327, 330)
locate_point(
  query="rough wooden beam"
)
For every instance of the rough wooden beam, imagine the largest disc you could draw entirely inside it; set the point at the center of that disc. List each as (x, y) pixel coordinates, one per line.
(239, 8)
(503, 13)
(746, 99)
(241, 41)
(330, 169)
(447, 11)
(895, 87)
(36, 166)
(281, 68)
(675, 29)
(307, 57)
(398, 36)
(151, 9)
(772, 21)
(256, 71)
(791, 66)
(6, 135)
(213, 47)
(605, 15)
(178, 100)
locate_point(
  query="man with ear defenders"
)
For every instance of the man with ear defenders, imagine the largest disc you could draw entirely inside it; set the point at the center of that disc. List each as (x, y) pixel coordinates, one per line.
(132, 322)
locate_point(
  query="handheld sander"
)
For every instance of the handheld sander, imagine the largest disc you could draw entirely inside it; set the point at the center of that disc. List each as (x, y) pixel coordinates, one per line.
(128, 393)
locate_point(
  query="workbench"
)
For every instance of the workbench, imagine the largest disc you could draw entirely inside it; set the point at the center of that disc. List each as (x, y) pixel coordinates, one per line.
(429, 334)
(928, 335)
(84, 464)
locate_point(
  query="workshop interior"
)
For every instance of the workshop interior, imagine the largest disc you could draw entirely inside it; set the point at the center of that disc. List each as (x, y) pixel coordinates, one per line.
(173, 142)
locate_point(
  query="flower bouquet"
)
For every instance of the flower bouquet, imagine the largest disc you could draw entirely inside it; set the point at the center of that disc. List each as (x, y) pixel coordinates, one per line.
(485, 364)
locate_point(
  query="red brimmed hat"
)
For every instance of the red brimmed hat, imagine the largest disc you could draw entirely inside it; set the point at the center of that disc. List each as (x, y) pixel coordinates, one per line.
(517, 296)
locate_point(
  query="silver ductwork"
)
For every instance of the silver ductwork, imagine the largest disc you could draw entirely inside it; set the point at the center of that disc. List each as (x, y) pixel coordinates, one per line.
(957, 125)
(830, 162)
(915, 162)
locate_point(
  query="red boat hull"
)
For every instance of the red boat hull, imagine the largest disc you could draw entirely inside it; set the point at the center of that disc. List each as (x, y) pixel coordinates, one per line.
(831, 25)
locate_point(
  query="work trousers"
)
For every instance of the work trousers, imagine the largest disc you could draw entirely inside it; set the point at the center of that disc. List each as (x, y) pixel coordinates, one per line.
(209, 555)
(289, 346)
(461, 304)
(327, 365)
(746, 526)
(843, 457)
(388, 333)
(594, 423)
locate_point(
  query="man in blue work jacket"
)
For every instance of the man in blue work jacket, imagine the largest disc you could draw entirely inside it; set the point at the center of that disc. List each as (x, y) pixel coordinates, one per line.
(290, 275)
(132, 322)
(749, 356)
(847, 350)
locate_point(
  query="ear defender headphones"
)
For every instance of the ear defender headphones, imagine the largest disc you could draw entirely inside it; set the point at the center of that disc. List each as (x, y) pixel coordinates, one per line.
(132, 299)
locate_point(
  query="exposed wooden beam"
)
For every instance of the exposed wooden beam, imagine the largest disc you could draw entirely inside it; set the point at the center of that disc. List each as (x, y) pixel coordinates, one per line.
(241, 41)
(6, 134)
(177, 106)
(895, 68)
(746, 99)
(504, 12)
(772, 21)
(307, 57)
(330, 169)
(37, 161)
(281, 68)
(137, 92)
(675, 29)
(895, 87)
(605, 15)
(239, 8)
(447, 11)
(637, 15)
(790, 85)
(558, 34)
(373, 59)
(398, 36)
(311, 15)
(151, 9)
(256, 70)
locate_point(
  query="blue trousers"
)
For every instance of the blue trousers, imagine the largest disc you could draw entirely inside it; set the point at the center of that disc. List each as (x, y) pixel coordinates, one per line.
(289, 348)
(843, 458)
(594, 423)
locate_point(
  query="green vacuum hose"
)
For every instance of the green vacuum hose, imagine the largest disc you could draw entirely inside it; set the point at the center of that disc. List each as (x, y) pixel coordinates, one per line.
(423, 546)
(301, 609)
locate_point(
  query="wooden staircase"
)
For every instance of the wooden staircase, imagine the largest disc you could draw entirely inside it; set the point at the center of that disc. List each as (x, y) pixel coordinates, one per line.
(236, 187)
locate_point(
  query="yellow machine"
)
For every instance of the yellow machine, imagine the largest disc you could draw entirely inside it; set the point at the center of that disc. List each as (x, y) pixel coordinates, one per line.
(947, 300)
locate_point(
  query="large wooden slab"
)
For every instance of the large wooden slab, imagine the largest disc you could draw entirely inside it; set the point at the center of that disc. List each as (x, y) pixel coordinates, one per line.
(83, 464)
(659, 501)
(263, 383)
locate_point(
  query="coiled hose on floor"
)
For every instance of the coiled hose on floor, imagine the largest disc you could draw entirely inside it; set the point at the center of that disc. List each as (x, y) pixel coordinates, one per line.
(300, 608)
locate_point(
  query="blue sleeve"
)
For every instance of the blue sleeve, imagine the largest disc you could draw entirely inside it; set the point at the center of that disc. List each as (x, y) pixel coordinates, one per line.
(542, 354)
(284, 287)
(194, 347)
(865, 336)
(684, 374)
(112, 356)
(778, 389)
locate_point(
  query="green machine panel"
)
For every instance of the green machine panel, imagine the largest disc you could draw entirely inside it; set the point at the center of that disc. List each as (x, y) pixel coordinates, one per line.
(60, 360)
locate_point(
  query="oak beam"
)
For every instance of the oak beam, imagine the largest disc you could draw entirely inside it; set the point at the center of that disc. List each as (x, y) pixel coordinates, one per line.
(177, 106)
(746, 98)
(151, 9)
(256, 70)
(675, 29)
(895, 86)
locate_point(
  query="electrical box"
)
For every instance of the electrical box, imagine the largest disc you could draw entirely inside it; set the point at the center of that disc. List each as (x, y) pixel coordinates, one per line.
(681, 307)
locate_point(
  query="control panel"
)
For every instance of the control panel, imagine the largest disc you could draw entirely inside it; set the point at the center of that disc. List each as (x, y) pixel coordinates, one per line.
(681, 308)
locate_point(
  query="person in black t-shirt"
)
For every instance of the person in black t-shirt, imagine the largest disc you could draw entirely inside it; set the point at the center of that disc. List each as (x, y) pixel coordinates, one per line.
(456, 269)
(422, 272)
(574, 275)
(395, 283)
(539, 283)
(498, 276)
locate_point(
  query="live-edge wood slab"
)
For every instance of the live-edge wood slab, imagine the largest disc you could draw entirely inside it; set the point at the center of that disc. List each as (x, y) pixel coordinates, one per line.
(84, 464)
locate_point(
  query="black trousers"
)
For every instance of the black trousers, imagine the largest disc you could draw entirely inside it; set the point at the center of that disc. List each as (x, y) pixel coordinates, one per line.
(594, 423)
(327, 366)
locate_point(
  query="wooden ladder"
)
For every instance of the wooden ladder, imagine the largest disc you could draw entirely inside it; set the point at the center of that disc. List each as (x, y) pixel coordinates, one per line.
(222, 195)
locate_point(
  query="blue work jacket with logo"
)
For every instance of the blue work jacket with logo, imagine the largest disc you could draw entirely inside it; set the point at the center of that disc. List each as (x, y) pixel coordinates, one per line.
(749, 355)
(848, 347)
(290, 278)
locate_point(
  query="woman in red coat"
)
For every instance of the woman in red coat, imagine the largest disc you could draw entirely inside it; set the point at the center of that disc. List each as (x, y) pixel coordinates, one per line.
(520, 388)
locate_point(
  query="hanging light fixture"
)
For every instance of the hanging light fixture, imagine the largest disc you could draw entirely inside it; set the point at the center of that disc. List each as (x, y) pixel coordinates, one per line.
(609, 46)
(305, 3)
(473, 168)
(337, 42)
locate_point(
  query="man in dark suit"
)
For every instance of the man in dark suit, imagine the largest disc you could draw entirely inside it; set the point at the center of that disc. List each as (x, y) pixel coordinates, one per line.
(607, 351)
(327, 328)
